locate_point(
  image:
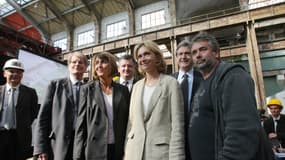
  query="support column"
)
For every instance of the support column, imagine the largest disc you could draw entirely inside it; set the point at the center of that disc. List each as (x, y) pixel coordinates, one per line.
(172, 11)
(255, 65)
(70, 39)
(173, 43)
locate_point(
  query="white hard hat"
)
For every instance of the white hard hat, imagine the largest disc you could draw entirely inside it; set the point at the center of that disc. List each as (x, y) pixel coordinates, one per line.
(13, 64)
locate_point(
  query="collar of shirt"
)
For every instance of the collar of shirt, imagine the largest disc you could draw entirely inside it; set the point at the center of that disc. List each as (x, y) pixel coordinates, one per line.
(130, 81)
(277, 118)
(8, 87)
(73, 80)
(181, 74)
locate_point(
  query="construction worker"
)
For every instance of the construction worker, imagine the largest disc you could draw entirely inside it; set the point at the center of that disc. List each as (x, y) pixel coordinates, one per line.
(275, 125)
(18, 110)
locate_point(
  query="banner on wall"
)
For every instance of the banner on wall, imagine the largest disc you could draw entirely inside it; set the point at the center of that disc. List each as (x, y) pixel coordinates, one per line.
(40, 70)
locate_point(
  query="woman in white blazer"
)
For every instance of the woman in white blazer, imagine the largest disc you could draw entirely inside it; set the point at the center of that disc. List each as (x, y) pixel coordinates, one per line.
(156, 120)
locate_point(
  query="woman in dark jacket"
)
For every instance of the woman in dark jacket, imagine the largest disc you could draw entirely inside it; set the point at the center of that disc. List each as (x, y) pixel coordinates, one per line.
(103, 114)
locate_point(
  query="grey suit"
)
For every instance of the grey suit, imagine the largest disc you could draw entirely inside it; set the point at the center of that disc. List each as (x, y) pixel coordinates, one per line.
(92, 124)
(26, 112)
(54, 129)
(157, 134)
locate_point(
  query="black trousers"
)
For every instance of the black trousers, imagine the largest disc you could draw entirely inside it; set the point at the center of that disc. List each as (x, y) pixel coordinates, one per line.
(8, 145)
(111, 152)
(70, 148)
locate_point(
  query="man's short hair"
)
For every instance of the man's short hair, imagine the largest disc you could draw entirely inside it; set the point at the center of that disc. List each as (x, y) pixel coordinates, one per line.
(128, 57)
(204, 36)
(184, 43)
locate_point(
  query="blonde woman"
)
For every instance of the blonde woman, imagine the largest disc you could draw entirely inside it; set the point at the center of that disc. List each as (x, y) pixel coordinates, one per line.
(156, 120)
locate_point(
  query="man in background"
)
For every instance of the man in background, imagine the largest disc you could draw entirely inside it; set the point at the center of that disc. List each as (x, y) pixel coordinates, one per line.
(55, 127)
(275, 125)
(18, 110)
(127, 70)
(189, 80)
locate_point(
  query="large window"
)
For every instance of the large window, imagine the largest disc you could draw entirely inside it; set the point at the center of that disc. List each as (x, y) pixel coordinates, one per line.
(153, 19)
(5, 8)
(61, 43)
(85, 38)
(116, 29)
(261, 3)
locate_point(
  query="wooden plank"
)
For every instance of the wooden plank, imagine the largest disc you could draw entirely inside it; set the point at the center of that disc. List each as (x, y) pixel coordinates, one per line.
(200, 26)
(87, 51)
(150, 36)
(225, 53)
(135, 40)
(279, 9)
(182, 30)
(272, 46)
(234, 51)
(278, 45)
(238, 18)
(261, 13)
(98, 49)
(164, 34)
(238, 51)
(121, 43)
(218, 22)
(269, 22)
(109, 46)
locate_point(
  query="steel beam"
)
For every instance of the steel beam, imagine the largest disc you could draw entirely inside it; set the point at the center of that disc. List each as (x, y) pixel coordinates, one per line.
(45, 35)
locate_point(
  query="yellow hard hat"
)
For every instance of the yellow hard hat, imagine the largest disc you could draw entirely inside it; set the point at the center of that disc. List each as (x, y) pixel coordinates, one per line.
(275, 102)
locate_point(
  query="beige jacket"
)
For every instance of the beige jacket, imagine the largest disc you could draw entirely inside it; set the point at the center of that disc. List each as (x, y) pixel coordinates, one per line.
(158, 134)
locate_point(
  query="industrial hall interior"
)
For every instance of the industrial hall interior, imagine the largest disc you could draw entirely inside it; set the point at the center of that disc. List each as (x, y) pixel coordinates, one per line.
(45, 32)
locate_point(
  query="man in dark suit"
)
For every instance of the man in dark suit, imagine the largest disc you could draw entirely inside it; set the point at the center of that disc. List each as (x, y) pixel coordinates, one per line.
(275, 125)
(18, 109)
(56, 120)
(192, 79)
(127, 70)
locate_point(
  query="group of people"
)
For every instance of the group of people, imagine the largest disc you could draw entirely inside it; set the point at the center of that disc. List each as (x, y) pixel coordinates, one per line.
(206, 110)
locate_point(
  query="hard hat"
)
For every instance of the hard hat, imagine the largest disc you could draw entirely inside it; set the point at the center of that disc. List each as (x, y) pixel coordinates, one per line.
(13, 64)
(275, 102)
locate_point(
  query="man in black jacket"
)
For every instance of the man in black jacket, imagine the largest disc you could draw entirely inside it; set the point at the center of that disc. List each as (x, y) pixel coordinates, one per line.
(224, 124)
(127, 69)
(18, 110)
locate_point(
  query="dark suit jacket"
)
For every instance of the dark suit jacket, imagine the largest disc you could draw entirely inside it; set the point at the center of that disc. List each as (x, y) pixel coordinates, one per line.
(134, 81)
(268, 126)
(26, 112)
(54, 128)
(196, 82)
(92, 123)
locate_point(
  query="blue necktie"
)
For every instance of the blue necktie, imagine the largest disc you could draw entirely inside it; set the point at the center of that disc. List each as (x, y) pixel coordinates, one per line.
(77, 91)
